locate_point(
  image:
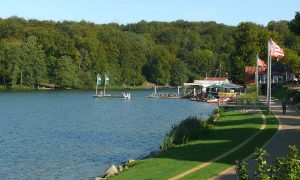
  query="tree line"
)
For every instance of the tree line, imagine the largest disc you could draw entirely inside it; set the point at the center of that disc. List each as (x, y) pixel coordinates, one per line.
(71, 54)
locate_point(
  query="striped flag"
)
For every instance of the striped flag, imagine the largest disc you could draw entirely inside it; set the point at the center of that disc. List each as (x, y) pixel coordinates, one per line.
(261, 63)
(276, 51)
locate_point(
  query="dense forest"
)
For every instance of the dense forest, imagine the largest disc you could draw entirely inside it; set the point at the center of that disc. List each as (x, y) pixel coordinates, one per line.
(71, 54)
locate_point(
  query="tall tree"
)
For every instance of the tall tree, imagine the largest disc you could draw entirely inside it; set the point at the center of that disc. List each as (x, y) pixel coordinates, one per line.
(66, 73)
(251, 39)
(295, 24)
(179, 73)
(10, 60)
(33, 66)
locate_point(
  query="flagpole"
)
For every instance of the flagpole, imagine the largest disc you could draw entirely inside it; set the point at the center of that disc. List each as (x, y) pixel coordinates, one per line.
(270, 93)
(104, 93)
(256, 77)
(268, 75)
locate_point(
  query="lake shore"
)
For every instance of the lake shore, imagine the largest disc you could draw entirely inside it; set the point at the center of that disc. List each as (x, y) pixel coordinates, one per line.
(183, 157)
(19, 88)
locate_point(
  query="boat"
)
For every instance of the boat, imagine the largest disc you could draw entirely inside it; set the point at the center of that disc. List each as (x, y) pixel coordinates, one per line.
(101, 95)
(126, 95)
(221, 100)
(212, 101)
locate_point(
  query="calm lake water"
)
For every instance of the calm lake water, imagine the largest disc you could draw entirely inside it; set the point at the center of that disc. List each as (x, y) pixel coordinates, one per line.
(70, 135)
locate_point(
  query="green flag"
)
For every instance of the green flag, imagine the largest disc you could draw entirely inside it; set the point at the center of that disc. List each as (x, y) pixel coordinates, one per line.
(106, 79)
(99, 80)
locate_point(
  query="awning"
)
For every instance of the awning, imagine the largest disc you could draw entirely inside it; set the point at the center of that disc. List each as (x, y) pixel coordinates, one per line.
(232, 86)
(215, 86)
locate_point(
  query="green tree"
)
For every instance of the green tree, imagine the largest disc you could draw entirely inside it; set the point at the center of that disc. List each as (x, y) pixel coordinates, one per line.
(160, 65)
(291, 60)
(66, 73)
(33, 66)
(201, 63)
(295, 24)
(11, 57)
(251, 39)
(179, 73)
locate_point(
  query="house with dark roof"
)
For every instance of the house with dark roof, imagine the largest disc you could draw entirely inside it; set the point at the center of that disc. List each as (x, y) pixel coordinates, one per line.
(280, 74)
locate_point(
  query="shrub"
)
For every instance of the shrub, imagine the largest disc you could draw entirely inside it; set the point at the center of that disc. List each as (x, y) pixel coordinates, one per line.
(168, 142)
(215, 115)
(192, 128)
(241, 170)
(284, 168)
(189, 129)
(247, 98)
(2, 88)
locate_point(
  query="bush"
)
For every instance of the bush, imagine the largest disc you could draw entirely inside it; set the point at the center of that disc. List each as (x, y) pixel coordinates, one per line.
(284, 168)
(168, 142)
(247, 98)
(215, 115)
(2, 88)
(192, 128)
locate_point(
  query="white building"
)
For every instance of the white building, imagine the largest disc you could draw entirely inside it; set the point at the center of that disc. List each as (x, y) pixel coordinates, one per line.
(208, 81)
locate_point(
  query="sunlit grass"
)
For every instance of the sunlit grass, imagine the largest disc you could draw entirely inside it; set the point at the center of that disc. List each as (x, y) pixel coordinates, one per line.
(231, 129)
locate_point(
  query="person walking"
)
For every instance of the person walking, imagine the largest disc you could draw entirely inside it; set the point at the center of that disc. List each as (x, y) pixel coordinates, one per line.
(283, 104)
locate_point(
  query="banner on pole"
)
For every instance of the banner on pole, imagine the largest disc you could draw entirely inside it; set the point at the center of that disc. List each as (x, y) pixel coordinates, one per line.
(261, 63)
(106, 79)
(99, 80)
(275, 50)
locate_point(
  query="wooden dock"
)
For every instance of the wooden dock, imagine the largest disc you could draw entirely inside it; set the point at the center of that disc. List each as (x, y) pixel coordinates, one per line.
(164, 96)
(108, 96)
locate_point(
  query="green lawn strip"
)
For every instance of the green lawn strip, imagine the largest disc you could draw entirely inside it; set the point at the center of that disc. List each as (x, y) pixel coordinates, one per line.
(231, 129)
(259, 141)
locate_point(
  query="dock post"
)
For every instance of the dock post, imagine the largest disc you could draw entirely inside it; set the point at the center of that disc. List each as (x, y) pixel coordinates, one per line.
(96, 89)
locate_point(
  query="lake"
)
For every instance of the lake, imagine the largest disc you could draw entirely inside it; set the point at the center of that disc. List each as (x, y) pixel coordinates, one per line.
(70, 135)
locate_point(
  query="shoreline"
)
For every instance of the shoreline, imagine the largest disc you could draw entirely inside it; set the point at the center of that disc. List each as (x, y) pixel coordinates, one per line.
(118, 168)
(27, 88)
(171, 161)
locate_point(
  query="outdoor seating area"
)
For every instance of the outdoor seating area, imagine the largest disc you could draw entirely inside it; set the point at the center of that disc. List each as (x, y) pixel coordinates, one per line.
(213, 93)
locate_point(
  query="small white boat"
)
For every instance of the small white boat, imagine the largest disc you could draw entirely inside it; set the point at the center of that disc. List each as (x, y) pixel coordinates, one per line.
(126, 95)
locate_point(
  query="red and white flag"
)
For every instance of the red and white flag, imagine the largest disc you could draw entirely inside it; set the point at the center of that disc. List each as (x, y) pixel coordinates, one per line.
(275, 50)
(261, 63)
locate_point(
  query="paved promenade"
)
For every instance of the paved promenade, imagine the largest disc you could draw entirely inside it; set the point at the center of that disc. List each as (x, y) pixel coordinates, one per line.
(288, 134)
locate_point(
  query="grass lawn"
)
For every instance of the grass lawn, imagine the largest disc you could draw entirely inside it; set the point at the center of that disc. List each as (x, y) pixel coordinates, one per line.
(260, 140)
(232, 128)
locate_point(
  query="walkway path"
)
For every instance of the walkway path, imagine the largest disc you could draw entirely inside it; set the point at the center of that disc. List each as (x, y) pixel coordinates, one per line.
(288, 134)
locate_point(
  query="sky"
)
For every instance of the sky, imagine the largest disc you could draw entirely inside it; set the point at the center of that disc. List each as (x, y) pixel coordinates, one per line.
(229, 12)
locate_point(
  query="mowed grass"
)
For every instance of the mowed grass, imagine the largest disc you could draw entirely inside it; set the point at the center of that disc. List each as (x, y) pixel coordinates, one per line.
(245, 151)
(232, 128)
